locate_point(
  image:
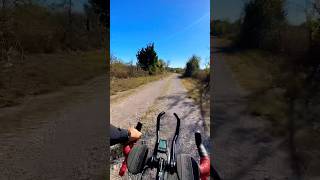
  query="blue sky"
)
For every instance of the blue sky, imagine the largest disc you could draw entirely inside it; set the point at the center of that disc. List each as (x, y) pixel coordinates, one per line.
(232, 9)
(178, 28)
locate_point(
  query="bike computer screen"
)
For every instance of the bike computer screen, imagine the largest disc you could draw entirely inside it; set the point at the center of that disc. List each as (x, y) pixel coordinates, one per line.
(162, 146)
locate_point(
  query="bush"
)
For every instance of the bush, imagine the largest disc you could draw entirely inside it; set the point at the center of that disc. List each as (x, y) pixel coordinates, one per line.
(148, 58)
(119, 69)
(203, 76)
(192, 66)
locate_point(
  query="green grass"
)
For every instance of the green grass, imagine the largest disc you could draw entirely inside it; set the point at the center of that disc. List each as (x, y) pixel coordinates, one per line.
(44, 73)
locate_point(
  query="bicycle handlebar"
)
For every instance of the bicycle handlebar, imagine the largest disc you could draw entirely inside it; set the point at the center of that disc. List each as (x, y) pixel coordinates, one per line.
(170, 165)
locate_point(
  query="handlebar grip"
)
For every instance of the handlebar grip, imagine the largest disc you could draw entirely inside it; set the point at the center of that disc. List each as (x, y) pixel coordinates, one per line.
(201, 149)
(198, 138)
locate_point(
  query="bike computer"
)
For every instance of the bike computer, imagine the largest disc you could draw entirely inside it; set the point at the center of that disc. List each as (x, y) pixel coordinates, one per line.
(162, 146)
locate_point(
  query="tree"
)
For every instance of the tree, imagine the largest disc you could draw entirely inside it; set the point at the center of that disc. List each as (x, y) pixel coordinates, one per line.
(148, 58)
(192, 66)
(102, 8)
(161, 65)
(262, 23)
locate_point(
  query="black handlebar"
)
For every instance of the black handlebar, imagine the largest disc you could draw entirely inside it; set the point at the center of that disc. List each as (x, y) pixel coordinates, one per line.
(172, 162)
(157, 133)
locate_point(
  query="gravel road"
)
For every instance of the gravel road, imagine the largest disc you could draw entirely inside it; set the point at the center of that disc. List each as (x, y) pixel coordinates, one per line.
(170, 96)
(56, 136)
(243, 149)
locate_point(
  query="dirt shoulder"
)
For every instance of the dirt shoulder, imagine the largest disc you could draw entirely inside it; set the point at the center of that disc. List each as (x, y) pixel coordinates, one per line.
(243, 148)
(197, 92)
(265, 75)
(46, 73)
(44, 137)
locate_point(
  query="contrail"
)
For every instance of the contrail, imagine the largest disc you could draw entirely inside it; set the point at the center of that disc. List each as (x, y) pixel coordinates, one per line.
(197, 21)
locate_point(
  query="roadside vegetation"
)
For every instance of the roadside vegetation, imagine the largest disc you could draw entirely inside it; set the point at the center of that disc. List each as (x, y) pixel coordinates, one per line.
(47, 45)
(278, 63)
(197, 83)
(126, 76)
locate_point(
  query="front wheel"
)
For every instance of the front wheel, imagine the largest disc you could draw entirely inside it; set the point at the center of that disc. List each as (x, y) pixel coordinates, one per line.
(147, 174)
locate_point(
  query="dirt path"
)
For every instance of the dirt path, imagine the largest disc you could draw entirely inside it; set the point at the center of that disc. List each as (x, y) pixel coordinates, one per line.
(172, 98)
(128, 110)
(243, 149)
(56, 136)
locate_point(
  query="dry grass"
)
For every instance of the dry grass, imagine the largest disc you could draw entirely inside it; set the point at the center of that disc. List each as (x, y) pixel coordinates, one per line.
(45, 73)
(121, 84)
(197, 92)
(253, 70)
(192, 86)
(256, 72)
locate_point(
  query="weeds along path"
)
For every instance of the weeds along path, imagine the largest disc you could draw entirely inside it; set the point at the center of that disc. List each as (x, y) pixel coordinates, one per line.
(243, 147)
(173, 98)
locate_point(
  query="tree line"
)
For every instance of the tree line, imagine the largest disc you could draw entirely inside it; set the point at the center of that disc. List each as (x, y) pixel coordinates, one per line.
(43, 26)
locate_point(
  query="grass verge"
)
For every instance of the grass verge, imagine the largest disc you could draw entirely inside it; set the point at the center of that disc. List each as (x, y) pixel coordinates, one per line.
(43, 73)
(197, 92)
(120, 84)
(192, 86)
(257, 71)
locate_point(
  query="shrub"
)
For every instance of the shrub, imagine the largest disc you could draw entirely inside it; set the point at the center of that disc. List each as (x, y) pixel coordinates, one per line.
(119, 69)
(148, 58)
(192, 66)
